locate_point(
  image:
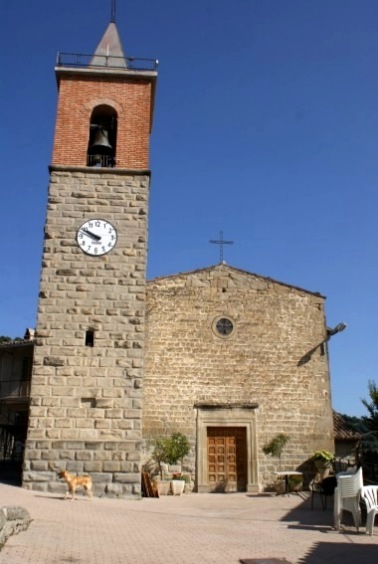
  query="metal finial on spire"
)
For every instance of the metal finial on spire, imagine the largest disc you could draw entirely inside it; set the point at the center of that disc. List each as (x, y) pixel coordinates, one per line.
(221, 242)
(113, 12)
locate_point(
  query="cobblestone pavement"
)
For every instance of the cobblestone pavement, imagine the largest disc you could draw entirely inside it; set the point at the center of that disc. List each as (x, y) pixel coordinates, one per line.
(188, 529)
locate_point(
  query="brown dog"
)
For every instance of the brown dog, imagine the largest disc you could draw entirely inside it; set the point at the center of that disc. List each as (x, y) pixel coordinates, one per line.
(74, 482)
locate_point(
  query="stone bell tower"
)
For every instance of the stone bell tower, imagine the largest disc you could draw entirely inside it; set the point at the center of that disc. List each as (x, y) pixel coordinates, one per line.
(86, 395)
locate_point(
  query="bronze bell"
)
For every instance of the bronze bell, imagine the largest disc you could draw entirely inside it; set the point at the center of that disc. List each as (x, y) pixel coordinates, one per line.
(101, 143)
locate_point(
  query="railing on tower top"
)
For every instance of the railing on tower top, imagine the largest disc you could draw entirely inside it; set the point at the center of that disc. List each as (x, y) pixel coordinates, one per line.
(105, 61)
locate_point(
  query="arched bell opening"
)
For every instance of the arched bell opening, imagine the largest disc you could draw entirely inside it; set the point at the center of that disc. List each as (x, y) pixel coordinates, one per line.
(102, 137)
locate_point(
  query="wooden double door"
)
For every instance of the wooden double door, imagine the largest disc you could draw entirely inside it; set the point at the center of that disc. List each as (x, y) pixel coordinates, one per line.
(227, 459)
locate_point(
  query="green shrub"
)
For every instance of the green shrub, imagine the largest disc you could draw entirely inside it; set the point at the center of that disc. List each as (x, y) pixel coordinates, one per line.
(323, 456)
(276, 445)
(170, 450)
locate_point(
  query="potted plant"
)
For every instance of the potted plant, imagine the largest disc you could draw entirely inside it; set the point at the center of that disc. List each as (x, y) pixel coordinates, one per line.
(177, 483)
(295, 483)
(170, 450)
(323, 457)
(323, 460)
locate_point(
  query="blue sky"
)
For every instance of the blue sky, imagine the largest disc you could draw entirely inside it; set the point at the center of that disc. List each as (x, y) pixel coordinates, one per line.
(265, 127)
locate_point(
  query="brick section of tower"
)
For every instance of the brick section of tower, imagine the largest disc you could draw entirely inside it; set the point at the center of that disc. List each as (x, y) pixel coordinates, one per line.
(78, 96)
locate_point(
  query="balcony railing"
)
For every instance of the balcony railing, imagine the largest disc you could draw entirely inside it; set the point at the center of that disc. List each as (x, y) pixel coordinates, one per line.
(100, 161)
(105, 61)
(14, 389)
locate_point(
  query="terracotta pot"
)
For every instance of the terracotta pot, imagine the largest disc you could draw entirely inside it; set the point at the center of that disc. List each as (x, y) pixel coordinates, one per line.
(163, 487)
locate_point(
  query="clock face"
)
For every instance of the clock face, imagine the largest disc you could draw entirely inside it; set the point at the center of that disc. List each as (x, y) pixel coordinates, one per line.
(96, 237)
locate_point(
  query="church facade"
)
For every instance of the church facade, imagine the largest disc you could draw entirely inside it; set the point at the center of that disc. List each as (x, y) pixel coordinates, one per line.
(232, 360)
(227, 357)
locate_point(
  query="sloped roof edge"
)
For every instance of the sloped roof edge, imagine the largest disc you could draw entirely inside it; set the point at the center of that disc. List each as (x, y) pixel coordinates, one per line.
(233, 268)
(343, 430)
(15, 344)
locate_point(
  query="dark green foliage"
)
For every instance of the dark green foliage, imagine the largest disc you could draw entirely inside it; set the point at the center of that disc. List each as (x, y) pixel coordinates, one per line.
(295, 482)
(276, 445)
(371, 421)
(177, 447)
(4, 339)
(367, 447)
(354, 424)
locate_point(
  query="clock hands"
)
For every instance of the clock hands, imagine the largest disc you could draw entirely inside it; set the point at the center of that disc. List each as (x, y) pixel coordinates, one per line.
(96, 237)
(91, 235)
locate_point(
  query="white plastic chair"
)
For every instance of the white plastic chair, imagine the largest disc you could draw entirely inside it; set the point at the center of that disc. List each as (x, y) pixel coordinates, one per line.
(370, 495)
(347, 497)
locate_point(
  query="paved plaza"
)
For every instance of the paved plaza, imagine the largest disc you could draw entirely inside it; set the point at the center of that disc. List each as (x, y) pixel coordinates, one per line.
(188, 529)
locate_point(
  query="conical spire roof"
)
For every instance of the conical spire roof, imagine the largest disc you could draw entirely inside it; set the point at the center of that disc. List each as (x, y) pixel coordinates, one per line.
(109, 52)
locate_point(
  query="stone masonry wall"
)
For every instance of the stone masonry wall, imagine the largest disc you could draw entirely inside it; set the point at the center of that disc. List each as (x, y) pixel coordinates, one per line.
(188, 364)
(86, 402)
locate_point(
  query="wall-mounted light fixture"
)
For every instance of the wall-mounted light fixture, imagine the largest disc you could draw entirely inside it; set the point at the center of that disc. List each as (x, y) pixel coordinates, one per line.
(340, 327)
(330, 332)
